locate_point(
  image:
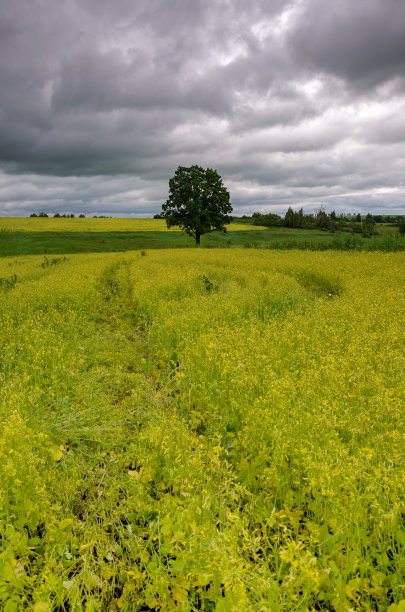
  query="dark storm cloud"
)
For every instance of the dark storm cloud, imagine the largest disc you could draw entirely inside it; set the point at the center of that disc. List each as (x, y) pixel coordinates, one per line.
(293, 102)
(363, 42)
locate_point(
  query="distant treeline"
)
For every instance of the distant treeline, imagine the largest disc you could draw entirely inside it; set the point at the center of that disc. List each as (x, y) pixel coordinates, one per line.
(354, 223)
(68, 216)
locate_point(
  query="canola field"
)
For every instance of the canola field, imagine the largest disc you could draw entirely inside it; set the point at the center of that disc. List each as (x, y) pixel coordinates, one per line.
(60, 224)
(217, 430)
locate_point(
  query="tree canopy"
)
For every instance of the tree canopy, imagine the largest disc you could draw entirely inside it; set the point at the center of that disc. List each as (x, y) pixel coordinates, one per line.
(198, 202)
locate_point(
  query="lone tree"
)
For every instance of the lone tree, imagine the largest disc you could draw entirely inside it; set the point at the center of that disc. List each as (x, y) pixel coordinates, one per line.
(198, 202)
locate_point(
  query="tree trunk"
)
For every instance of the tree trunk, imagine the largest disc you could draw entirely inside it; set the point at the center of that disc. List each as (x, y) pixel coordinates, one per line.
(197, 238)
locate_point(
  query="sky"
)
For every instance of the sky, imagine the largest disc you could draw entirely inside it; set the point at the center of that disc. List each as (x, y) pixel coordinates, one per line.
(297, 103)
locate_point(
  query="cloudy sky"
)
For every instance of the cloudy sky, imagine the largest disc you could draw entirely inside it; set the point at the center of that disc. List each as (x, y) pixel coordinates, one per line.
(296, 103)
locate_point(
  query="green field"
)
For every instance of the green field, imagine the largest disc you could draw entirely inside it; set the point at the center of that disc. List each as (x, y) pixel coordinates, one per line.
(194, 429)
(31, 236)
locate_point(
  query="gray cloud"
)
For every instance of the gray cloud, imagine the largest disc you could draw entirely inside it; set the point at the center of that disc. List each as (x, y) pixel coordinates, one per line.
(293, 102)
(363, 42)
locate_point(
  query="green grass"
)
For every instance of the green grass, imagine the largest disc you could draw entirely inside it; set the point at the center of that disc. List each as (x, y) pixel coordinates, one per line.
(13, 242)
(31, 243)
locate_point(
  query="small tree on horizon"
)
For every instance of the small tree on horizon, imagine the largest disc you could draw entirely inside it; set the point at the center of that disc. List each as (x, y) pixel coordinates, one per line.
(368, 226)
(198, 202)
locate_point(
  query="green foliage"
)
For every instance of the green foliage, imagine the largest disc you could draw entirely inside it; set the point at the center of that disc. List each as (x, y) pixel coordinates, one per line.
(368, 226)
(325, 222)
(294, 219)
(198, 202)
(8, 282)
(267, 220)
(52, 262)
(208, 284)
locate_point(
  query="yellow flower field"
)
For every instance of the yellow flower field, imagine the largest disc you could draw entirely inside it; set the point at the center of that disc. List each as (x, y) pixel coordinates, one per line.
(60, 224)
(200, 429)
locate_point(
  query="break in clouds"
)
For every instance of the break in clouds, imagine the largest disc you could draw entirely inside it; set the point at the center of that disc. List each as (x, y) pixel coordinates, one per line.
(294, 103)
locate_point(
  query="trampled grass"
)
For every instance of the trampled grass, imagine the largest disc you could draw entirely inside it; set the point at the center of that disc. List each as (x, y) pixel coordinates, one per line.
(202, 430)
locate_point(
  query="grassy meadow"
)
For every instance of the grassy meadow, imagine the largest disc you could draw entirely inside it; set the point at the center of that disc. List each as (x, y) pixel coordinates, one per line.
(194, 429)
(55, 236)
